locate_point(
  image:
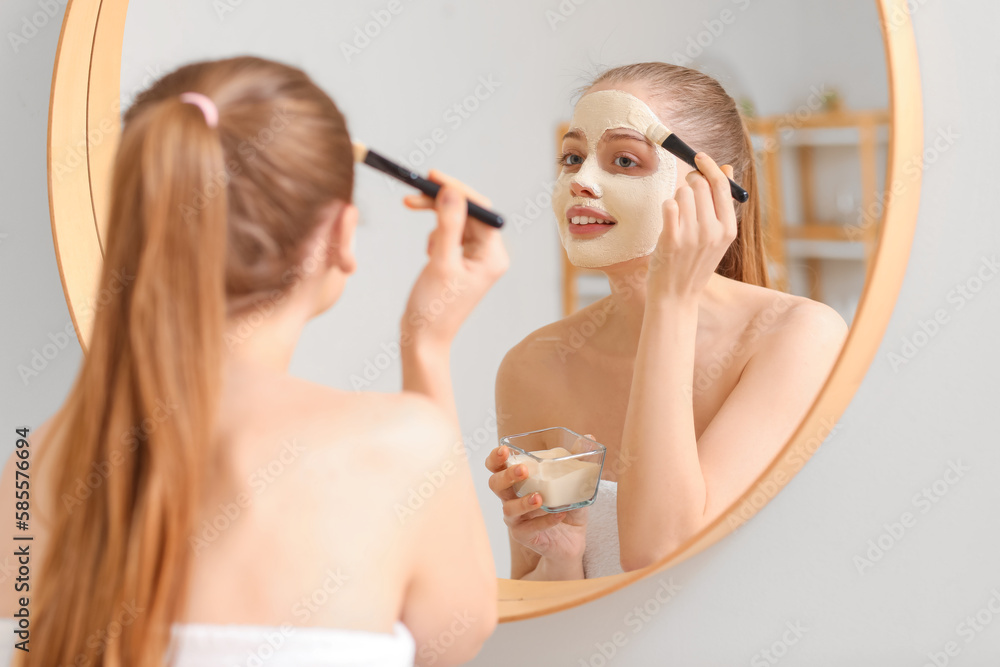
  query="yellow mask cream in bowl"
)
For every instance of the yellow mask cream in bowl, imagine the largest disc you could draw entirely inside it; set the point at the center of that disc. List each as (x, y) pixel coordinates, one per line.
(564, 467)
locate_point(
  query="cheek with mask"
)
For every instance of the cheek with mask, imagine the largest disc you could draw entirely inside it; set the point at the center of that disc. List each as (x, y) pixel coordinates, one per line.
(634, 203)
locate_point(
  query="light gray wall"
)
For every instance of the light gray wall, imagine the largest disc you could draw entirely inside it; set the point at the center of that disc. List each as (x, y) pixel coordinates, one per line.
(795, 561)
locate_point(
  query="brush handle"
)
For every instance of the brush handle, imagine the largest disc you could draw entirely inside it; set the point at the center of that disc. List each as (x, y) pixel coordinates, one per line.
(673, 144)
(429, 188)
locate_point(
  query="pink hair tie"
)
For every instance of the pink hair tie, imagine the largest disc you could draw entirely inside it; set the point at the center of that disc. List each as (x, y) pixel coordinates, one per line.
(206, 105)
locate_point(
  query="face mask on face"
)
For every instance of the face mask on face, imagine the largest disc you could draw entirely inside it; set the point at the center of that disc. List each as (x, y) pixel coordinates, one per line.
(634, 203)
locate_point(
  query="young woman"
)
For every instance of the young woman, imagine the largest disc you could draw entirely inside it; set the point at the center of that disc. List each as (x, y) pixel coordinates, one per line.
(190, 489)
(692, 372)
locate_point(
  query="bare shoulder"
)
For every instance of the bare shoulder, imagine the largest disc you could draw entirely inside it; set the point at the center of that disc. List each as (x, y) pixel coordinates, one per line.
(791, 324)
(412, 426)
(814, 321)
(551, 347)
(533, 368)
(538, 347)
(404, 427)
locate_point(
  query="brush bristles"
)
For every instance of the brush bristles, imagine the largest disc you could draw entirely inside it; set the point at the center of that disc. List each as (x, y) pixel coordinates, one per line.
(360, 151)
(657, 133)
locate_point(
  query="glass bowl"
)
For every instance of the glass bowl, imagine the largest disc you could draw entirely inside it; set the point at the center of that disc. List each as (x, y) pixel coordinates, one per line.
(563, 466)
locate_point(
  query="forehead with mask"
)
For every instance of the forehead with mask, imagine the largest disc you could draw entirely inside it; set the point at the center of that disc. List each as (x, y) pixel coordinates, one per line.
(609, 196)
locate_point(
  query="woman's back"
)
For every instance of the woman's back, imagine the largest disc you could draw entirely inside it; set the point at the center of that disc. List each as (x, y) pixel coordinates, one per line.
(301, 500)
(308, 530)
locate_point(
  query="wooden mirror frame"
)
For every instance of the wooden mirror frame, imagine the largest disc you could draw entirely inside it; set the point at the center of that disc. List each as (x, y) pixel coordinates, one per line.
(84, 128)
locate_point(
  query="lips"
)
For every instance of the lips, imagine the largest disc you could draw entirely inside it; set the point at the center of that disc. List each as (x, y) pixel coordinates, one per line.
(586, 215)
(586, 222)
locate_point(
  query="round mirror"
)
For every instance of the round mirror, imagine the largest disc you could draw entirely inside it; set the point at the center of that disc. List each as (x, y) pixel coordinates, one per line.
(486, 93)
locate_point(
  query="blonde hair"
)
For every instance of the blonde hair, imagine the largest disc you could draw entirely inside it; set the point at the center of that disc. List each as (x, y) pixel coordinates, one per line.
(206, 222)
(698, 109)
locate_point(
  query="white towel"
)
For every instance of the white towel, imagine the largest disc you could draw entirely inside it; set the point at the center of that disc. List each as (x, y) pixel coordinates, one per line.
(212, 645)
(601, 557)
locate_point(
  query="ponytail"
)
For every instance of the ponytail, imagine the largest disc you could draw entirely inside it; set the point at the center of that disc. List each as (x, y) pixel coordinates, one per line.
(143, 404)
(198, 224)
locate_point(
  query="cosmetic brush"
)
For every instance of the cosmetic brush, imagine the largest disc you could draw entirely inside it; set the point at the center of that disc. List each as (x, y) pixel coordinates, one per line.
(429, 188)
(661, 136)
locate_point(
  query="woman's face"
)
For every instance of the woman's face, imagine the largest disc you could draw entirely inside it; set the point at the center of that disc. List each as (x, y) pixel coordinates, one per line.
(609, 196)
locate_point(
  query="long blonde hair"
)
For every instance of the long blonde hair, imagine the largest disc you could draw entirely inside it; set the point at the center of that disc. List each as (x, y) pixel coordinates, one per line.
(204, 222)
(698, 109)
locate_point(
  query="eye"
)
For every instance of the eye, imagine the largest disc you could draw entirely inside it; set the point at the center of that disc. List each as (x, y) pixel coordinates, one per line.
(569, 159)
(624, 162)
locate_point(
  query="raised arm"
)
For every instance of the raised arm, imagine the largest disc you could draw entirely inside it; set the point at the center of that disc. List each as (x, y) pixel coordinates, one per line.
(684, 483)
(465, 258)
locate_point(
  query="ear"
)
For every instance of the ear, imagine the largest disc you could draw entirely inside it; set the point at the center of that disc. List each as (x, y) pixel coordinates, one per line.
(340, 237)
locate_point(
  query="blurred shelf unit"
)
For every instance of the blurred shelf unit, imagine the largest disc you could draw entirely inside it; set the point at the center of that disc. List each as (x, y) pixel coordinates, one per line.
(791, 148)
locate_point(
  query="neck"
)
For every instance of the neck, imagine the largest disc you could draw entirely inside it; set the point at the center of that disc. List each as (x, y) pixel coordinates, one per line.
(263, 337)
(628, 295)
(627, 281)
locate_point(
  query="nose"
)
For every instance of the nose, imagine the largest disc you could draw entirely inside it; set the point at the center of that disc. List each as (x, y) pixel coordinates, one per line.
(580, 190)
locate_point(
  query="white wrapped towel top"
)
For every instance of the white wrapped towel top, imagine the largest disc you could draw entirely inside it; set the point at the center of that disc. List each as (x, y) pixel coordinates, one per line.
(601, 556)
(212, 645)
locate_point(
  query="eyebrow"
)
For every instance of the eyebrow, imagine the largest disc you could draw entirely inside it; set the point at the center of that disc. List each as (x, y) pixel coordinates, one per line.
(615, 134)
(618, 134)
